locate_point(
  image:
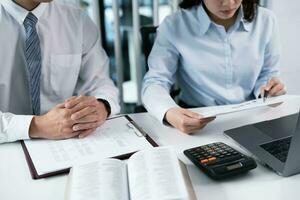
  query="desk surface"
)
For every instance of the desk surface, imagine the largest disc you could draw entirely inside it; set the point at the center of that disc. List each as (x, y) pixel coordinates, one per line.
(261, 183)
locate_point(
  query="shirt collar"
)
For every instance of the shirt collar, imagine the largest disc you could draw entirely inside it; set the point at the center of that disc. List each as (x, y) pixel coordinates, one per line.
(19, 13)
(241, 21)
(206, 21)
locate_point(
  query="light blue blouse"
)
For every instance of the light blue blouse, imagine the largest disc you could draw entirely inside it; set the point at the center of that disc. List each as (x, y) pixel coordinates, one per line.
(213, 67)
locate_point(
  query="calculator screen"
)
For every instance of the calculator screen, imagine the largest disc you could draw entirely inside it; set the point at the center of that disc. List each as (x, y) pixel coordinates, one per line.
(235, 166)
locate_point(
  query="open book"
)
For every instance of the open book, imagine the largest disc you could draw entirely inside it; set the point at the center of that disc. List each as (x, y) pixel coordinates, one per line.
(153, 174)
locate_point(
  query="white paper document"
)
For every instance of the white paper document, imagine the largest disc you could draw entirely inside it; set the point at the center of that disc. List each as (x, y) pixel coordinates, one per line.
(248, 105)
(148, 175)
(115, 137)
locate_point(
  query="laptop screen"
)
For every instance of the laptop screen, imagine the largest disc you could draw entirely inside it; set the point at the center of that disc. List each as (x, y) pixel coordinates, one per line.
(279, 128)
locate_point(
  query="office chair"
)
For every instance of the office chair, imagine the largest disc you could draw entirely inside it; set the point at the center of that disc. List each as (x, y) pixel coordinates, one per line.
(148, 35)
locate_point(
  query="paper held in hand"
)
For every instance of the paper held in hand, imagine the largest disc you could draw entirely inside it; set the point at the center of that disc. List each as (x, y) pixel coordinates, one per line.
(248, 105)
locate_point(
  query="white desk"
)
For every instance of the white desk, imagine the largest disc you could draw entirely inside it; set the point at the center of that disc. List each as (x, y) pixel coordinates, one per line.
(261, 183)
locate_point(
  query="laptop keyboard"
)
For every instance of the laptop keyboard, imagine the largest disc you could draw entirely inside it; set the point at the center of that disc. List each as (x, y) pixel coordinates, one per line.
(278, 148)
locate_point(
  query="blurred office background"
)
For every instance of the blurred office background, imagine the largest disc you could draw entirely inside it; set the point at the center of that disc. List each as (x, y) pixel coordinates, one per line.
(120, 22)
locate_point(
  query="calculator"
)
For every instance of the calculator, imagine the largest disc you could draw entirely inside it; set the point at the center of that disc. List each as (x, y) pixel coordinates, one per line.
(218, 160)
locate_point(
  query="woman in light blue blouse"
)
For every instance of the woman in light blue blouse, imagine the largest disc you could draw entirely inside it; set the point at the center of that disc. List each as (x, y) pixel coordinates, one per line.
(221, 51)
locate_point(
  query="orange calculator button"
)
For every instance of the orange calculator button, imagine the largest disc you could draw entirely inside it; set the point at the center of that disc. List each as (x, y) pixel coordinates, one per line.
(204, 161)
(212, 158)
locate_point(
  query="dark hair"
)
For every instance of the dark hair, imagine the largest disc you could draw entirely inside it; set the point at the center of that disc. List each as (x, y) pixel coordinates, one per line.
(249, 7)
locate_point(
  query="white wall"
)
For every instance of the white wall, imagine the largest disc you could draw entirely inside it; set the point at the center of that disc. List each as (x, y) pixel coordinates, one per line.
(288, 15)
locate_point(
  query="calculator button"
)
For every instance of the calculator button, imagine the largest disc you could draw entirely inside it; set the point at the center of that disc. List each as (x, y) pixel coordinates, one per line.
(204, 161)
(212, 159)
(228, 159)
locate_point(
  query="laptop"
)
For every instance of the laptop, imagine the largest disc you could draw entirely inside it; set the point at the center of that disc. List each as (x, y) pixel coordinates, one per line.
(276, 143)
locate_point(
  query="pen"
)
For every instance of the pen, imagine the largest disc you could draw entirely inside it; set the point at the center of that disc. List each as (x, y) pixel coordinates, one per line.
(266, 93)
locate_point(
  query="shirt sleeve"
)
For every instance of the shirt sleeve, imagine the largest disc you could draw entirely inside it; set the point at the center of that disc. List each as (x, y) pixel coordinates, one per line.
(163, 63)
(14, 127)
(270, 68)
(158, 101)
(94, 77)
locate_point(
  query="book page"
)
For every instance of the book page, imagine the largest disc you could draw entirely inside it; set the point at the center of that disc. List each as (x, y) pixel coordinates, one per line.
(155, 174)
(115, 137)
(102, 180)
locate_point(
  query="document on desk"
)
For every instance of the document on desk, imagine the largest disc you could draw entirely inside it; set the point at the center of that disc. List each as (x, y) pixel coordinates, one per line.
(248, 105)
(116, 137)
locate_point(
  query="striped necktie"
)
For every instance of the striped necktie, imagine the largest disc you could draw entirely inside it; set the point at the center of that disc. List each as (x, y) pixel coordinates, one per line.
(33, 59)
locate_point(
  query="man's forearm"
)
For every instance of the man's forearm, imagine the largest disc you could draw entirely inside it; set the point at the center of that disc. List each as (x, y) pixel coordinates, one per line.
(36, 129)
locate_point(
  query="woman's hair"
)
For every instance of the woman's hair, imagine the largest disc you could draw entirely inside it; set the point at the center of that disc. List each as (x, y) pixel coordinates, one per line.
(249, 7)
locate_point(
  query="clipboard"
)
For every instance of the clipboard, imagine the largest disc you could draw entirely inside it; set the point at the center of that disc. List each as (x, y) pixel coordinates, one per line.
(131, 125)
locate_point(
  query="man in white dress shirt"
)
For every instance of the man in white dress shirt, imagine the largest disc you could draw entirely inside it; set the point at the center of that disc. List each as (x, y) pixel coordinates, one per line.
(54, 80)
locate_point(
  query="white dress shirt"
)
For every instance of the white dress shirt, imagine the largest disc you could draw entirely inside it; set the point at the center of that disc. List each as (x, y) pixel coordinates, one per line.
(73, 63)
(213, 67)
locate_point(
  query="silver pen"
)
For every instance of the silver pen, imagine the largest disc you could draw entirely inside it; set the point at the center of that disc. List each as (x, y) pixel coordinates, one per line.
(266, 93)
